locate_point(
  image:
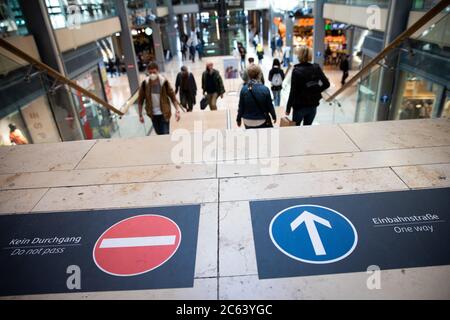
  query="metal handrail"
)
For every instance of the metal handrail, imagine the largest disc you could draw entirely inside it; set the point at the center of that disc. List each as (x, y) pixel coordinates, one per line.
(394, 44)
(55, 74)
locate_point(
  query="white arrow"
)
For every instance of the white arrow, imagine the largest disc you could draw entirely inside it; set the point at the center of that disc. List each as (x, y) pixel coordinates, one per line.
(309, 219)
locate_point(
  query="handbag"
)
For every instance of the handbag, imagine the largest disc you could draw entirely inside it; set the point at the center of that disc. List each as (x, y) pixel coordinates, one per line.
(268, 122)
(203, 103)
(286, 122)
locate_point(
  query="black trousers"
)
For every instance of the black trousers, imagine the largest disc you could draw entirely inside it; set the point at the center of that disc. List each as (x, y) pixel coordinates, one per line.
(305, 115)
(344, 77)
(160, 125)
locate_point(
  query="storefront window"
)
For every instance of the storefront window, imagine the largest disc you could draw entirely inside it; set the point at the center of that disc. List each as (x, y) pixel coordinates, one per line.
(96, 121)
(40, 122)
(367, 97)
(16, 119)
(34, 121)
(419, 98)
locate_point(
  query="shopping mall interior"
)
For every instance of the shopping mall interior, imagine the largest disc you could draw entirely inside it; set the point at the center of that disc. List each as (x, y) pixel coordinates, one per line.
(124, 177)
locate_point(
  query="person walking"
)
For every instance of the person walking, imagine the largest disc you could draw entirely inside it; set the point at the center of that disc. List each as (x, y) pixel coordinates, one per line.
(307, 84)
(255, 103)
(260, 53)
(16, 136)
(212, 85)
(276, 77)
(273, 45)
(286, 56)
(185, 83)
(200, 48)
(256, 39)
(345, 67)
(157, 93)
(118, 66)
(111, 67)
(246, 78)
(280, 45)
(243, 53)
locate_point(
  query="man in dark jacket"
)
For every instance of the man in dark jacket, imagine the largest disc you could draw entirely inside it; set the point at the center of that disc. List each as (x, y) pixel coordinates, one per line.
(185, 83)
(345, 67)
(255, 103)
(212, 85)
(307, 84)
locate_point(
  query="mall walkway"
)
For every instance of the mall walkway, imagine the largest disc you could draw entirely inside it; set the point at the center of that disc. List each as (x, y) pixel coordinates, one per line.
(327, 114)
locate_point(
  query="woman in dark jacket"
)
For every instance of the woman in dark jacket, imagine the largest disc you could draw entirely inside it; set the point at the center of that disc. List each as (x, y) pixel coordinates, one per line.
(255, 103)
(276, 77)
(308, 83)
(188, 88)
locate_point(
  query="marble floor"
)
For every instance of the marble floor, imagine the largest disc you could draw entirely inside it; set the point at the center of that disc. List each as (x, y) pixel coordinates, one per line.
(316, 161)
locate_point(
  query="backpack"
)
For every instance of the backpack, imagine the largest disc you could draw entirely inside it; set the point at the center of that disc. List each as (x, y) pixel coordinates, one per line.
(277, 80)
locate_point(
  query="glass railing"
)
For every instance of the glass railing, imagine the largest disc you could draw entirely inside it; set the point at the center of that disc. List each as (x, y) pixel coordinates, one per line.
(68, 14)
(12, 22)
(423, 5)
(421, 82)
(365, 3)
(44, 110)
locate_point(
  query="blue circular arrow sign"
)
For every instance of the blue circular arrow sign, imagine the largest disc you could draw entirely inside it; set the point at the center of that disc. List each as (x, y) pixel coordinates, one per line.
(313, 234)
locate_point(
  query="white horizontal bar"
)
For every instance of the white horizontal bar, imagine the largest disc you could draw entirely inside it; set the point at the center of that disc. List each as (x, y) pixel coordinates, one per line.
(138, 242)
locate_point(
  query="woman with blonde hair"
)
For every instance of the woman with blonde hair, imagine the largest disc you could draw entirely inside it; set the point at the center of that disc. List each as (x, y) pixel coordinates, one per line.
(307, 84)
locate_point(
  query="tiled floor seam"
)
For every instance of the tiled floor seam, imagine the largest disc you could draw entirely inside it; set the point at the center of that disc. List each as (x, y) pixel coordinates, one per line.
(228, 177)
(400, 178)
(348, 136)
(331, 170)
(218, 239)
(109, 184)
(37, 202)
(321, 195)
(84, 156)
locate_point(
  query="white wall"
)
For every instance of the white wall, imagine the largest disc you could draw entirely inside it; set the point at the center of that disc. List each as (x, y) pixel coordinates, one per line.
(353, 15)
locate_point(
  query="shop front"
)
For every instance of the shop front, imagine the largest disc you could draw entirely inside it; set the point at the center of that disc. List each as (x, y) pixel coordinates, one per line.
(34, 123)
(420, 98)
(96, 121)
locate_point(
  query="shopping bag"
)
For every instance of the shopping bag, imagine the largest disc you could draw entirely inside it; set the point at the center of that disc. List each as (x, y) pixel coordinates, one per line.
(286, 122)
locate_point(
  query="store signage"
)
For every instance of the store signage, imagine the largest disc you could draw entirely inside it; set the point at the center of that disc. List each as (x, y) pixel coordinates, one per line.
(107, 250)
(341, 234)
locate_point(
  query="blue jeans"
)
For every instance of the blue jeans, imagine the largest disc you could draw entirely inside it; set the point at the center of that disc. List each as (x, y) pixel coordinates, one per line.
(276, 97)
(161, 125)
(305, 115)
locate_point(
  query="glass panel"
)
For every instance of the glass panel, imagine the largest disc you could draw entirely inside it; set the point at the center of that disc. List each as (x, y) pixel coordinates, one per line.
(12, 22)
(380, 3)
(70, 13)
(446, 110)
(419, 98)
(424, 4)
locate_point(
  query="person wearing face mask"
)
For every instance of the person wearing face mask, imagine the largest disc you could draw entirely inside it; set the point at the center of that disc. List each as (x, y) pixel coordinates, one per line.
(157, 93)
(188, 88)
(212, 85)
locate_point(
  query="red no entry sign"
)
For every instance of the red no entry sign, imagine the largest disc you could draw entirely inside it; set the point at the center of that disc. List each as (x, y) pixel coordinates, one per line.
(137, 245)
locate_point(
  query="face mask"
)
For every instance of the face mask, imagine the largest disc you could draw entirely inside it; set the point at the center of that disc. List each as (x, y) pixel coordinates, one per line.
(153, 76)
